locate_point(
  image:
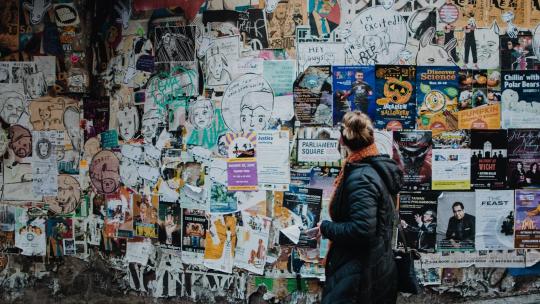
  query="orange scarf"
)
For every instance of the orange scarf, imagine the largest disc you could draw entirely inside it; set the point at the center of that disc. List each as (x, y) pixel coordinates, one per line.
(354, 157)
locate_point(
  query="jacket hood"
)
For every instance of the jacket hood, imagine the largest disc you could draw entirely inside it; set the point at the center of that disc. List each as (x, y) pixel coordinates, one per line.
(388, 170)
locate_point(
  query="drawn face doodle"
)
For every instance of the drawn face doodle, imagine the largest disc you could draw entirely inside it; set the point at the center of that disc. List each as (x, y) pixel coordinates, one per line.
(128, 122)
(43, 148)
(487, 41)
(201, 113)
(216, 66)
(254, 116)
(21, 141)
(387, 4)
(104, 172)
(150, 122)
(12, 108)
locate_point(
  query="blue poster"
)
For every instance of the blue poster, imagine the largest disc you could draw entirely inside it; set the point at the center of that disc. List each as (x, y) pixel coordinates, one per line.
(354, 89)
(395, 107)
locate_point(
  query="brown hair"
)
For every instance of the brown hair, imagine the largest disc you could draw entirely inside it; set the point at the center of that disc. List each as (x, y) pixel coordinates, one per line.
(357, 130)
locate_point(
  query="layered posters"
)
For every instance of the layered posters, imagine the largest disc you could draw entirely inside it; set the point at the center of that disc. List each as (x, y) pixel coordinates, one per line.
(145, 210)
(312, 93)
(418, 214)
(412, 151)
(395, 106)
(523, 158)
(489, 159)
(273, 168)
(252, 243)
(494, 219)
(353, 90)
(437, 98)
(304, 207)
(527, 219)
(520, 104)
(220, 242)
(241, 161)
(456, 227)
(169, 229)
(30, 233)
(194, 226)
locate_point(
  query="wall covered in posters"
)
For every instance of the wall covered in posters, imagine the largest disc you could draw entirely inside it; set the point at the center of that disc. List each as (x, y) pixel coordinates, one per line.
(187, 144)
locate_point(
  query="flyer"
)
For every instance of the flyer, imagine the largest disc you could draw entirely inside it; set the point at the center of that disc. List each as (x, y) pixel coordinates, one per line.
(437, 98)
(318, 146)
(194, 225)
(354, 89)
(520, 104)
(273, 167)
(412, 151)
(523, 158)
(220, 242)
(480, 259)
(456, 227)
(30, 233)
(169, 229)
(58, 229)
(252, 245)
(313, 96)
(459, 139)
(494, 219)
(241, 161)
(451, 169)
(395, 107)
(527, 219)
(145, 209)
(489, 159)
(418, 214)
(484, 117)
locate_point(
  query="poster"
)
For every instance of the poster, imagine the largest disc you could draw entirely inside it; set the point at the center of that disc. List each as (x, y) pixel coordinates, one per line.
(418, 214)
(273, 168)
(519, 100)
(281, 75)
(456, 227)
(169, 229)
(437, 98)
(459, 139)
(485, 117)
(527, 219)
(282, 22)
(145, 209)
(194, 225)
(318, 53)
(451, 169)
(523, 158)
(252, 246)
(44, 161)
(241, 161)
(304, 206)
(494, 220)
(30, 233)
(313, 96)
(480, 259)
(412, 151)
(396, 97)
(489, 159)
(318, 145)
(58, 230)
(220, 242)
(354, 89)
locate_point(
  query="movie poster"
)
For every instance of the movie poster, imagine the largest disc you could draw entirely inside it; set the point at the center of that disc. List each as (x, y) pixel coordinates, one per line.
(494, 220)
(451, 169)
(516, 51)
(313, 101)
(520, 93)
(527, 219)
(194, 225)
(412, 151)
(395, 107)
(437, 98)
(456, 226)
(523, 158)
(489, 159)
(459, 139)
(304, 206)
(418, 214)
(354, 89)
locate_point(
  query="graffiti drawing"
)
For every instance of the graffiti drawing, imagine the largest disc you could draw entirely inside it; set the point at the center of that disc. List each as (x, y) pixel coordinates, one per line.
(69, 195)
(104, 172)
(175, 43)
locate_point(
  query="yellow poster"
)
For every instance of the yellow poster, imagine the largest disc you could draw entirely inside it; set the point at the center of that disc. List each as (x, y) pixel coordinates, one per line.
(484, 117)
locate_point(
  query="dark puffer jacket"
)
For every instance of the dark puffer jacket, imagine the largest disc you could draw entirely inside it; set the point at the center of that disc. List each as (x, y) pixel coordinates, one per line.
(360, 267)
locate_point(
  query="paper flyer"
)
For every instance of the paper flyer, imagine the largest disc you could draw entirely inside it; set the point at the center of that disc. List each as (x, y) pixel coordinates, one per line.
(494, 219)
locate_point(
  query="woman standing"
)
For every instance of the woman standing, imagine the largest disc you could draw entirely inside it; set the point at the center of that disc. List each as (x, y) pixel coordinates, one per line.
(360, 267)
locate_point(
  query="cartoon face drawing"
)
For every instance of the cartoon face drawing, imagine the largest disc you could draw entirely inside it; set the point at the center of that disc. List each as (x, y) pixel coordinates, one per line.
(487, 41)
(128, 122)
(43, 148)
(201, 113)
(150, 123)
(35, 85)
(104, 172)
(12, 107)
(20, 141)
(254, 112)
